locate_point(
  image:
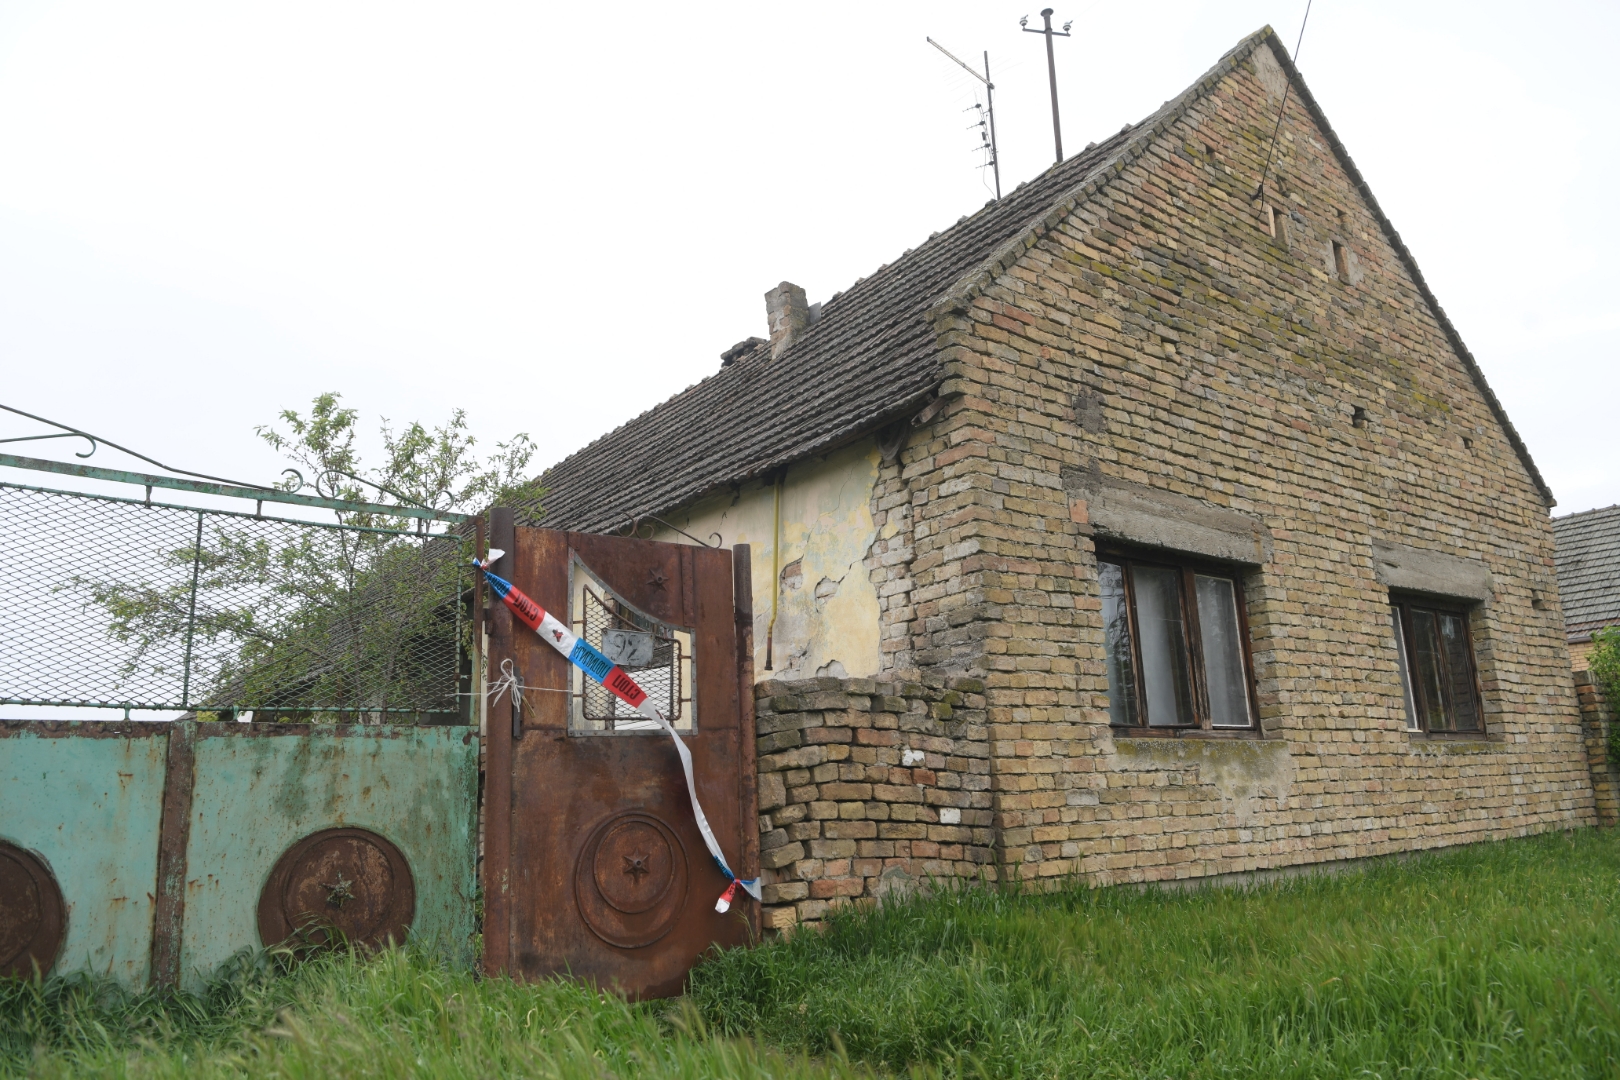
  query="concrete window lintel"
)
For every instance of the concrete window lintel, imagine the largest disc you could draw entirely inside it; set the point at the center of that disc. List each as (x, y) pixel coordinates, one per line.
(1139, 514)
(1417, 570)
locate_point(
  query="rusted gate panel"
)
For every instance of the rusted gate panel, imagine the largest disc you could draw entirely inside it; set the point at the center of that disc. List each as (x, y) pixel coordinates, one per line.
(594, 864)
(85, 799)
(262, 789)
(175, 846)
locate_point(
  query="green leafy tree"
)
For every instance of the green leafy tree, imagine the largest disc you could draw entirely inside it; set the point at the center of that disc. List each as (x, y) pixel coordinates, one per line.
(316, 622)
(434, 469)
(1604, 664)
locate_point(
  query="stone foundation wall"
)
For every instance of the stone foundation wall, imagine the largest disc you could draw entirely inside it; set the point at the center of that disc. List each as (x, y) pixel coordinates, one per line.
(1597, 720)
(867, 787)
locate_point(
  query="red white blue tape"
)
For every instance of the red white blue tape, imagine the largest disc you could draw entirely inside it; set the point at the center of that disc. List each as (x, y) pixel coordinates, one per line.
(583, 655)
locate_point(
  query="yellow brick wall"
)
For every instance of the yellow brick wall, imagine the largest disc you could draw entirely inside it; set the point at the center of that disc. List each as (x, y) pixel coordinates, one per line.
(1228, 364)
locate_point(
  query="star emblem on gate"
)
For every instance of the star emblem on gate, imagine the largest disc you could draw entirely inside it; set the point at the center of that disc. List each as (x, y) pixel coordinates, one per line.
(657, 579)
(636, 866)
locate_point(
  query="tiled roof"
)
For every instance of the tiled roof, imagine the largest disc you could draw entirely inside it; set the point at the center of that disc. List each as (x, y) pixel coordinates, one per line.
(1588, 564)
(872, 356)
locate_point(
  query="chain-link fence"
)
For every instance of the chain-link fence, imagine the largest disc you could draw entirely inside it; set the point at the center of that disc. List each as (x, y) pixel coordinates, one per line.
(122, 604)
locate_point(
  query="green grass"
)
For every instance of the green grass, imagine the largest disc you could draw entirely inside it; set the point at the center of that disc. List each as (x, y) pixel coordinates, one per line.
(397, 1014)
(1498, 960)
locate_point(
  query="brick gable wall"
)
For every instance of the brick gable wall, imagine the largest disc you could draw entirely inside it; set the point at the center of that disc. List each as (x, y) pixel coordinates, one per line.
(1214, 361)
(1158, 335)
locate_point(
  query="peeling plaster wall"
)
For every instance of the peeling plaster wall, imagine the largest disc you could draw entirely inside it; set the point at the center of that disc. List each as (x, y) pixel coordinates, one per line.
(827, 608)
(1246, 777)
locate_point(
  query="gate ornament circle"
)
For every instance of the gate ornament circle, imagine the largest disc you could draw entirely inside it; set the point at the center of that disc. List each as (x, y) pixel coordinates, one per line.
(630, 880)
(32, 915)
(351, 881)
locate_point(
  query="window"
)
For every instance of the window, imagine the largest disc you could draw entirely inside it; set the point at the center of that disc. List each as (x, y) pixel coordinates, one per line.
(1436, 656)
(658, 656)
(1176, 643)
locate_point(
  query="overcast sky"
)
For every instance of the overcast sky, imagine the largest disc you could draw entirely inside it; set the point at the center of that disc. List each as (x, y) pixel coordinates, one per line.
(556, 216)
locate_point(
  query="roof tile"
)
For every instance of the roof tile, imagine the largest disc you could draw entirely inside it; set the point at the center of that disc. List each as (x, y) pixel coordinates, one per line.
(1588, 564)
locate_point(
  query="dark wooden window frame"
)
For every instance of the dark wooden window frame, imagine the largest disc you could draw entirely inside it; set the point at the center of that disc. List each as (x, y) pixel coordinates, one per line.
(1188, 570)
(1437, 606)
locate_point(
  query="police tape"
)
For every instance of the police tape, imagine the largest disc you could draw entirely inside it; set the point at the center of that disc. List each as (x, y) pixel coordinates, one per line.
(583, 655)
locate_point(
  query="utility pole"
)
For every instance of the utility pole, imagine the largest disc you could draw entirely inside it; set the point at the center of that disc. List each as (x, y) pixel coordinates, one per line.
(1051, 71)
(990, 100)
(990, 103)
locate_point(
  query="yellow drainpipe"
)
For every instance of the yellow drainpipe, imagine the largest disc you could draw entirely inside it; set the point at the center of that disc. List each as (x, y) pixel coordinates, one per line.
(776, 565)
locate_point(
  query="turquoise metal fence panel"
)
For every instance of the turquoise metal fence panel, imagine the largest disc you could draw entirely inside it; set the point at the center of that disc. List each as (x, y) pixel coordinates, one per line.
(260, 788)
(88, 799)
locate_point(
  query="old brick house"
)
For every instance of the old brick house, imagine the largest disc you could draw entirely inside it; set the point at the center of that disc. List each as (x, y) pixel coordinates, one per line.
(1131, 527)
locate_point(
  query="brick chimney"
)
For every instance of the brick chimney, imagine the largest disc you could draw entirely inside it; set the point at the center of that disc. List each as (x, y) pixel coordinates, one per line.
(787, 312)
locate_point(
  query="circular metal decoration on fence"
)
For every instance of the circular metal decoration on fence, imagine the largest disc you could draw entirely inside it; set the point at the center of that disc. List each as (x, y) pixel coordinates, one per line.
(630, 880)
(32, 915)
(351, 881)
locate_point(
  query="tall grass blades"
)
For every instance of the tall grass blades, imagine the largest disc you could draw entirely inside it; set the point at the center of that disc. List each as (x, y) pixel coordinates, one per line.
(1499, 960)
(1496, 960)
(396, 1014)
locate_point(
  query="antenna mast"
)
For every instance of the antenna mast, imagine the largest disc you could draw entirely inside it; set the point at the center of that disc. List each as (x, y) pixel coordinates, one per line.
(1051, 71)
(990, 103)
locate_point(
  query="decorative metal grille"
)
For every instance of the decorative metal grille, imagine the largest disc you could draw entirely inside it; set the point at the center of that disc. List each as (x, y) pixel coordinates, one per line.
(660, 678)
(663, 670)
(109, 603)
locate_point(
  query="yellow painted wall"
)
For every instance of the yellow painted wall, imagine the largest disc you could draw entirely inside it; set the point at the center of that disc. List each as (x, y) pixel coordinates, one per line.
(827, 608)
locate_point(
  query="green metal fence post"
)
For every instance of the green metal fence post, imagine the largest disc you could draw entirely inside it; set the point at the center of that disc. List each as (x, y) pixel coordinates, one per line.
(191, 610)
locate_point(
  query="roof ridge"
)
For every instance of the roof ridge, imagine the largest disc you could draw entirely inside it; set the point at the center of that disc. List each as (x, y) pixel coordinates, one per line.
(878, 352)
(1583, 513)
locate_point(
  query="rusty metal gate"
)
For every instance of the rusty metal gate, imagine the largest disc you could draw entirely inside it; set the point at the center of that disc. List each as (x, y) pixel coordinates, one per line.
(593, 863)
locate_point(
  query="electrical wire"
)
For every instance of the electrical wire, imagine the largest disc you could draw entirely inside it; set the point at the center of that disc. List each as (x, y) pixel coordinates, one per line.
(1260, 192)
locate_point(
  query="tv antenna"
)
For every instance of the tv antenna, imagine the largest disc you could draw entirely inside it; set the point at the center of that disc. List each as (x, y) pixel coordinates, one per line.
(990, 103)
(1051, 70)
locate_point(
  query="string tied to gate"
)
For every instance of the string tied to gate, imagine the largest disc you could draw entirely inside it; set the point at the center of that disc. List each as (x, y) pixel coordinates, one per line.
(585, 656)
(507, 681)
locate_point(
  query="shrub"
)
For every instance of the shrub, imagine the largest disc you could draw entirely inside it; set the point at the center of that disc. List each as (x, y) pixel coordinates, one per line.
(1604, 664)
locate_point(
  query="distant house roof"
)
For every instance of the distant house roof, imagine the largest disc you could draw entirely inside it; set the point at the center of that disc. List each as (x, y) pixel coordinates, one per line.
(872, 356)
(1588, 563)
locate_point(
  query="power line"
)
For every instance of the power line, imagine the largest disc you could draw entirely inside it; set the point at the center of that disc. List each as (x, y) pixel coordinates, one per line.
(1260, 192)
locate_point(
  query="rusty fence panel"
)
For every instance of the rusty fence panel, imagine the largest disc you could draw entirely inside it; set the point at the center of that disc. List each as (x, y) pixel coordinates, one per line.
(86, 801)
(173, 848)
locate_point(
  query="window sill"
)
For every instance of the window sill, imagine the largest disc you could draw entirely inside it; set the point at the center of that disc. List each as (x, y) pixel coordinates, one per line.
(1186, 733)
(1461, 742)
